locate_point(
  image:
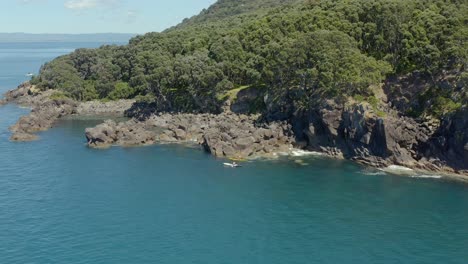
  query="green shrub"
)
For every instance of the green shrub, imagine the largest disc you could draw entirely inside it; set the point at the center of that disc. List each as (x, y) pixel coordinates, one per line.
(58, 95)
(89, 92)
(121, 91)
(442, 105)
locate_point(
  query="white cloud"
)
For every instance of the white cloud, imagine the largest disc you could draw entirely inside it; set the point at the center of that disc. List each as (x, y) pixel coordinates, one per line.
(88, 4)
(29, 1)
(131, 16)
(81, 4)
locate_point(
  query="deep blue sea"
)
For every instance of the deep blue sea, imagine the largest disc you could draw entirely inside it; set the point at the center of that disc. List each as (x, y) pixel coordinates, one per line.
(61, 202)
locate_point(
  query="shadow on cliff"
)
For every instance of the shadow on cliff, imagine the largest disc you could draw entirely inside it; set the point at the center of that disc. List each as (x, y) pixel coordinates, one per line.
(450, 141)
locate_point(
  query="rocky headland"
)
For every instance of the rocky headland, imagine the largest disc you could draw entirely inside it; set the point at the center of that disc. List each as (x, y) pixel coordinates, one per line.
(46, 109)
(356, 132)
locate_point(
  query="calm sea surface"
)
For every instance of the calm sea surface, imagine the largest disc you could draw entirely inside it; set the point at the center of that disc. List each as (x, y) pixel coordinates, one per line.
(61, 202)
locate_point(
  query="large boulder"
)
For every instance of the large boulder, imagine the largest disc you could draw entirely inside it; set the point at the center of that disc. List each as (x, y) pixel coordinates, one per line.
(103, 135)
(180, 134)
(244, 142)
(129, 133)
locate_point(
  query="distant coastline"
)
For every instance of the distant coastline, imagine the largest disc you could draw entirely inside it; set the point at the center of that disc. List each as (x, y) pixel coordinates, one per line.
(98, 37)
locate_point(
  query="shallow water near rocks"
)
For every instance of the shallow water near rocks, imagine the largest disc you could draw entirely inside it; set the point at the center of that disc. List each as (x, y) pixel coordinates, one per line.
(61, 202)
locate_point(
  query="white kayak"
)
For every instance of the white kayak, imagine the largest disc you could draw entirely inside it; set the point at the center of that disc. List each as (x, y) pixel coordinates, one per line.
(232, 165)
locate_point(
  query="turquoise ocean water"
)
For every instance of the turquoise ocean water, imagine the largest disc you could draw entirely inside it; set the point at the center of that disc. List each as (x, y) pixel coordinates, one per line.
(61, 202)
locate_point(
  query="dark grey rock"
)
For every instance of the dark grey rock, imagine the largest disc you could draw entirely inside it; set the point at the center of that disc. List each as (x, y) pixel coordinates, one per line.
(224, 135)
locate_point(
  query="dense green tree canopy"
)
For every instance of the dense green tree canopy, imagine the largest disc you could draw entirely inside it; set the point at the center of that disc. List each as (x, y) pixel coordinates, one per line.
(321, 47)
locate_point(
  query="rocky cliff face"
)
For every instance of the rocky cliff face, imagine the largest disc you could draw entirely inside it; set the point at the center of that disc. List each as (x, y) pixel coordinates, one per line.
(449, 144)
(358, 133)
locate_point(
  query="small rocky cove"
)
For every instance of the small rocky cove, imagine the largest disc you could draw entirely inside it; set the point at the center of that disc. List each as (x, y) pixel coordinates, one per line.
(354, 132)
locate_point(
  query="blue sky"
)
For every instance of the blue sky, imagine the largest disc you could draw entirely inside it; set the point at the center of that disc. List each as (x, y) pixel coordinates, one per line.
(95, 16)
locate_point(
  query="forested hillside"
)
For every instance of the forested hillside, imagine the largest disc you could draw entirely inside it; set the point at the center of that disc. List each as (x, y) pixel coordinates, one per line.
(303, 50)
(223, 9)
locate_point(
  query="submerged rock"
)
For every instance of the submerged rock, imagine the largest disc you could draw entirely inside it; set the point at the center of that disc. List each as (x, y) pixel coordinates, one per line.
(23, 137)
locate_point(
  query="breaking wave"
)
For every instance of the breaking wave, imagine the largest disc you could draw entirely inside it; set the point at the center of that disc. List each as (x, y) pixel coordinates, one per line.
(302, 153)
(426, 176)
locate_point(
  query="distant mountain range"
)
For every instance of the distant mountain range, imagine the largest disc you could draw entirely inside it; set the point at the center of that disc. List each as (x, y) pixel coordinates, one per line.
(98, 37)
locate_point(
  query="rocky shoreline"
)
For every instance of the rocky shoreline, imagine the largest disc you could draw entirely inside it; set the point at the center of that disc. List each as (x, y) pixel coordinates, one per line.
(358, 133)
(225, 135)
(242, 137)
(45, 111)
(354, 132)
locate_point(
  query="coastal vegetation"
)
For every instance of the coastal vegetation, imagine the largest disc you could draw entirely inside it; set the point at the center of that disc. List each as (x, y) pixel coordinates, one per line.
(301, 51)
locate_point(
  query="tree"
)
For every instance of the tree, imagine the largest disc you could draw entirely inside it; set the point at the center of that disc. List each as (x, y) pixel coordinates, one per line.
(121, 91)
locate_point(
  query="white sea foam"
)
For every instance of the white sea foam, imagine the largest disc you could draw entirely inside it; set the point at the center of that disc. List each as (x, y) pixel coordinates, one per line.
(372, 173)
(426, 176)
(280, 154)
(400, 170)
(395, 169)
(302, 153)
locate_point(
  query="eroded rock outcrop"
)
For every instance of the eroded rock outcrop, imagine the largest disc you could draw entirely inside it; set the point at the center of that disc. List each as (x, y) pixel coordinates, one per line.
(130, 133)
(41, 118)
(45, 110)
(20, 92)
(224, 135)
